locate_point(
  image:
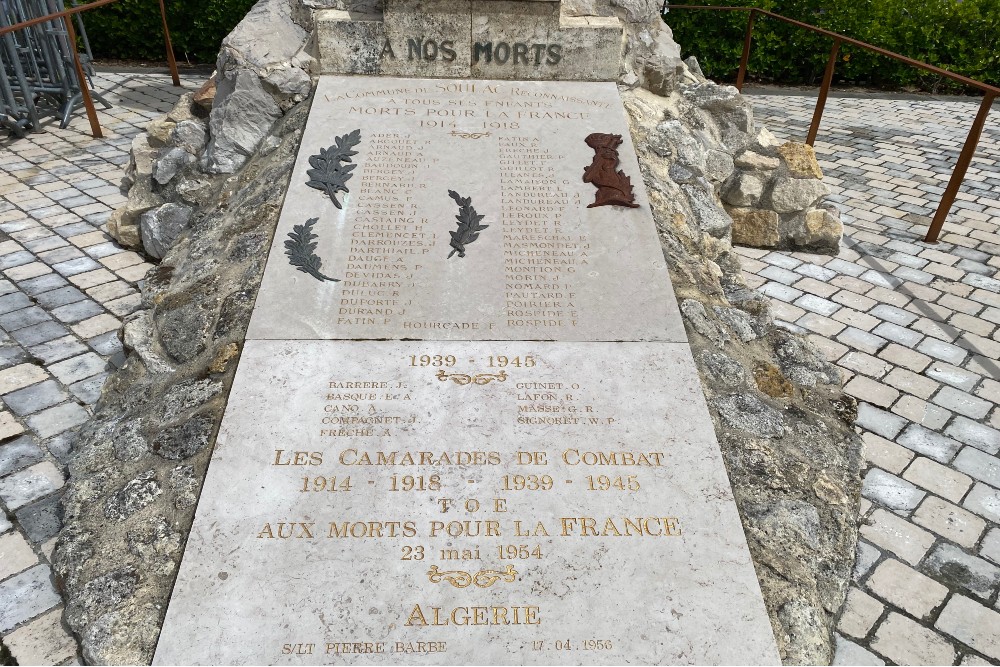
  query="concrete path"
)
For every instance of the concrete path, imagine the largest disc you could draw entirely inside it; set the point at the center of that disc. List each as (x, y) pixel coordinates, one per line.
(914, 329)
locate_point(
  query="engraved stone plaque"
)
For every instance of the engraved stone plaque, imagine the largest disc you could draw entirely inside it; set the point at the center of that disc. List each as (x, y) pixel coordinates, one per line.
(449, 209)
(466, 503)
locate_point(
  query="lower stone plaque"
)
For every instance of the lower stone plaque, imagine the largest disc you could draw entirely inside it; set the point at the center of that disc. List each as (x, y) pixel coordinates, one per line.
(466, 502)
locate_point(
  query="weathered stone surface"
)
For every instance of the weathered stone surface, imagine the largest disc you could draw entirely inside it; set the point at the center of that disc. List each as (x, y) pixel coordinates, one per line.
(796, 194)
(800, 160)
(790, 450)
(267, 37)
(148, 497)
(242, 115)
(743, 189)
(348, 42)
(191, 135)
(204, 97)
(162, 226)
(756, 228)
(171, 162)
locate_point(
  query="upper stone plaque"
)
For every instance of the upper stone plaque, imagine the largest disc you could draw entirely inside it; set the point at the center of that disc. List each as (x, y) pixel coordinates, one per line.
(489, 39)
(467, 210)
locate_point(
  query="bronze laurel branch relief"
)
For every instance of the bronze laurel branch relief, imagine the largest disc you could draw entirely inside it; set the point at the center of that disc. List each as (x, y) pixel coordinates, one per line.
(468, 224)
(614, 188)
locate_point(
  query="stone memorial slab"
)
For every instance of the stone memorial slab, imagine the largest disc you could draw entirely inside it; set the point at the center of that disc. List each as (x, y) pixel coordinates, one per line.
(466, 503)
(482, 39)
(433, 209)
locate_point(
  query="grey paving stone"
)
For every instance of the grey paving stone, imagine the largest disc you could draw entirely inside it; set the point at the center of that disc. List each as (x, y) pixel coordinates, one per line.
(952, 375)
(861, 340)
(867, 555)
(41, 520)
(990, 547)
(28, 485)
(12, 302)
(77, 312)
(941, 350)
(34, 398)
(979, 465)
(62, 254)
(913, 275)
(898, 334)
(890, 491)
(25, 317)
(780, 275)
(39, 333)
(5, 523)
(880, 422)
(962, 571)
(75, 266)
(12, 355)
(57, 419)
(59, 297)
(974, 433)
(982, 282)
(60, 348)
(962, 403)
(89, 391)
(893, 314)
(78, 368)
(848, 653)
(19, 454)
(106, 344)
(929, 443)
(816, 304)
(881, 279)
(10, 260)
(781, 292)
(984, 501)
(817, 272)
(46, 283)
(25, 596)
(845, 267)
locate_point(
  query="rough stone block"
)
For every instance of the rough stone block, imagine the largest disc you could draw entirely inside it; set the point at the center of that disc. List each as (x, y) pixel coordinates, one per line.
(755, 227)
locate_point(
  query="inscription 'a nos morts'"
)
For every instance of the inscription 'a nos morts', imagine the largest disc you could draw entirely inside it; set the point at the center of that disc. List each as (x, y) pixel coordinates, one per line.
(501, 53)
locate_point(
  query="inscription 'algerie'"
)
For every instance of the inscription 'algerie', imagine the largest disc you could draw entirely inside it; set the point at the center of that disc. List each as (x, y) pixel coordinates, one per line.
(501, 53)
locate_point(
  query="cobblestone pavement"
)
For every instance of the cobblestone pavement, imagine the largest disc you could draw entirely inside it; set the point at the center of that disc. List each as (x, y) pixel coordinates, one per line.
(914, 329)
(64, 287)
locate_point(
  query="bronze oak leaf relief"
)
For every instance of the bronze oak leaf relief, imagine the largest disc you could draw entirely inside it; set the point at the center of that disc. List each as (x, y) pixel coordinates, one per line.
(331, 168)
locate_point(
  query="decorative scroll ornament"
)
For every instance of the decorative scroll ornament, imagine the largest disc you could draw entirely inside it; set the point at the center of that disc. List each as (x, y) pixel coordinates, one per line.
(614, 188)
(478, 378)
(468, 224)
(469, 135)
(329, 172)
(463, 579)
(300, 248)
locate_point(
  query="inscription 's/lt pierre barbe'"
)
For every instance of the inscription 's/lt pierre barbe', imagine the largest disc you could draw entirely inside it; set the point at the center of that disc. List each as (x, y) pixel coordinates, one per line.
(494, 549)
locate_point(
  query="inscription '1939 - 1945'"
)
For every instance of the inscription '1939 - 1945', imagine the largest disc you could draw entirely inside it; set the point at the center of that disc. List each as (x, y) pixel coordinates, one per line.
(501, 53)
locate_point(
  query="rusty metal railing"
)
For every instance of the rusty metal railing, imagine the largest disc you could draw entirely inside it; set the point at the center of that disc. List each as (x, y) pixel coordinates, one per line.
(990, 93)
(65, 15)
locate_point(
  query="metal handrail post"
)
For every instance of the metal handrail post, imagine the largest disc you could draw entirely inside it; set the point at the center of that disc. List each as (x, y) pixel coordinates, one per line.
(824, 92)
(957, 176)
(88, 103)
(170, 48)
(745, 59)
